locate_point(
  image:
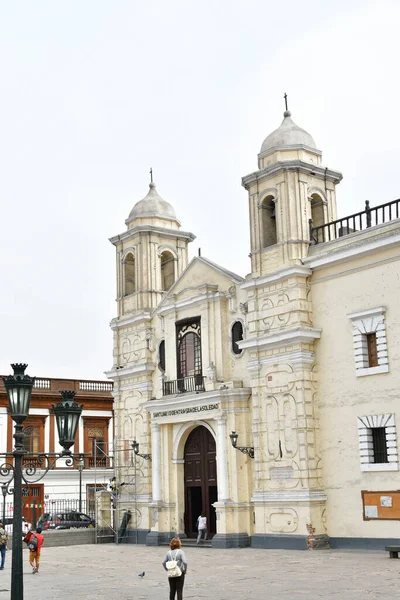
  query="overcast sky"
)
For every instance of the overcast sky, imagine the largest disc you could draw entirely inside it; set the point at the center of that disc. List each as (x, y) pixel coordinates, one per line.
(94, 92)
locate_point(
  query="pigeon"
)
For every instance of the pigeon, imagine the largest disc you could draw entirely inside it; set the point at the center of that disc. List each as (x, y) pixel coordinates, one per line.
(141, 575)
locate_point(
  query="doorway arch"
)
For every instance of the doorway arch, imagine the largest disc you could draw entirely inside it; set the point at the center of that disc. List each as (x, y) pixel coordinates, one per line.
(200, 476)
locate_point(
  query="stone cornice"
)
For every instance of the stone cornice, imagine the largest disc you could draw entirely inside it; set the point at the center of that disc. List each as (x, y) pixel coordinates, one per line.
(172, 233)
(292, 165)
(289, 147)
(299, 360)
(289, 496)
(124, 372)
(118, 323)
(281, 338)
(277, 276)
(210, 296)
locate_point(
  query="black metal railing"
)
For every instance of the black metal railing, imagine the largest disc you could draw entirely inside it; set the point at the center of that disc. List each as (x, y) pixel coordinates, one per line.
(69, 505)
(194, 383)
(357, 222)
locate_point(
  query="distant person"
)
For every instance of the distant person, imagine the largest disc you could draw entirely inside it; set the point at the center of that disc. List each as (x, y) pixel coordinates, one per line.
(35, 548)
(176, 554)
(3, 545)
(202, 527)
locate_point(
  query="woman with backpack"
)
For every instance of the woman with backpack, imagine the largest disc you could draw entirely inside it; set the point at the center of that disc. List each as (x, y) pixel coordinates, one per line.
(175, 564)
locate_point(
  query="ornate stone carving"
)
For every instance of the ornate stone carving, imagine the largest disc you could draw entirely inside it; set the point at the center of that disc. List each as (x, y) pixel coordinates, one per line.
(211, 371)
(231, 296)
(150, 339)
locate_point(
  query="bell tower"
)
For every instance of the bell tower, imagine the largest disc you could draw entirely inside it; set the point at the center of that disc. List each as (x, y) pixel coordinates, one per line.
(151, 254)
(290, 187)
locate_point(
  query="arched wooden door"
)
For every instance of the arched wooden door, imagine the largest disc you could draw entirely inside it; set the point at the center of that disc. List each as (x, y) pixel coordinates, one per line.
(200, 480)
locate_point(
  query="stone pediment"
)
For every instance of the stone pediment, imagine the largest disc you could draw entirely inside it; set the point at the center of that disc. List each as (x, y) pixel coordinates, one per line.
(201, 281)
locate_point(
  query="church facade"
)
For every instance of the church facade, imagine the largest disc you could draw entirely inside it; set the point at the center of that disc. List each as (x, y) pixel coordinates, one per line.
(268, 402)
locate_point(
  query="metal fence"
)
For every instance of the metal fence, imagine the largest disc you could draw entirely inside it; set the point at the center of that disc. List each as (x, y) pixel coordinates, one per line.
(50, 506)
(360, 221)
(65, 506)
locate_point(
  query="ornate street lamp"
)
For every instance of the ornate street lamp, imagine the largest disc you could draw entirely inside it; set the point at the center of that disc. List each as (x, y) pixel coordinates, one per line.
(19, 390)
(249, 450)
(67, 412)
(135, 448)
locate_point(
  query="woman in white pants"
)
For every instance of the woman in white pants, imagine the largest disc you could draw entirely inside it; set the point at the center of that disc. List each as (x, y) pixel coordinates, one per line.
(202, 526)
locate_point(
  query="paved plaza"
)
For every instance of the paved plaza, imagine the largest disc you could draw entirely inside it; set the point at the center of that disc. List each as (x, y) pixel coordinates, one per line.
(111, 572)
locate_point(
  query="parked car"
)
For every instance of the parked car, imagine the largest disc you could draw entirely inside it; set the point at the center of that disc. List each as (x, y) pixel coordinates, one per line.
(64, 520)
(8, 525)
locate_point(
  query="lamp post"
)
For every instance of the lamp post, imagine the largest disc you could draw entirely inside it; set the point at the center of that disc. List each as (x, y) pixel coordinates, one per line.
(67, 412)
(4, 489)
(80, 467)
(19, 390)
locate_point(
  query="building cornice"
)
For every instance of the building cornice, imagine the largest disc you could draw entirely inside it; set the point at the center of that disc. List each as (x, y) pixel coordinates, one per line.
(359, 244)
(192, 406)
(299, 360)
(289, 147)
(124, 372)
(299, 166)
(299, 270)
(165, 232)
(281, 338)
(289, 496)
(119, 322)
(209, 296)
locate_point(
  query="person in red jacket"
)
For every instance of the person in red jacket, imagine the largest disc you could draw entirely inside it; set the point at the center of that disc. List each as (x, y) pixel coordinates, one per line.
(34, 555)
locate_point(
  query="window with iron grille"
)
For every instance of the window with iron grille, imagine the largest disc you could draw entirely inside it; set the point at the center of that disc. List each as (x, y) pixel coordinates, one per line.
(188, 334)
(379, 444)
(161, 356)
(237, 336)
(377, 440)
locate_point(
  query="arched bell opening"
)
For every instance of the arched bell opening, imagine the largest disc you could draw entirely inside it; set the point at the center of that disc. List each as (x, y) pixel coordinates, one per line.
(268, 222)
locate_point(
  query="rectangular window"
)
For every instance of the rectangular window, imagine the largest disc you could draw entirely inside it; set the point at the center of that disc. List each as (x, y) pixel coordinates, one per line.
(95, 435)
(372, 350)
(379, 445)
(377, 440)
(369, 341)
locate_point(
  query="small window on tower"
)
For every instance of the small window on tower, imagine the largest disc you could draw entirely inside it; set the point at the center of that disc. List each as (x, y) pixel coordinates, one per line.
(268, 222)
(161, 356)
(167, 270)
(237, 336)
(130, 275)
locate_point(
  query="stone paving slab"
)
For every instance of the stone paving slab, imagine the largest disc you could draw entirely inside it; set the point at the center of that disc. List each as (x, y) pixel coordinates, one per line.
(111, 572)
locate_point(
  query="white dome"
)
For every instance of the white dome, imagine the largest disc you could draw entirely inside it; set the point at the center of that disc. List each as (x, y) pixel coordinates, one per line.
(287, 136)
(152, 206)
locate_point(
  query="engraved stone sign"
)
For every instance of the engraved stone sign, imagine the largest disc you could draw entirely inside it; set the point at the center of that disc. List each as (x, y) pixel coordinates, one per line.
(281, 473)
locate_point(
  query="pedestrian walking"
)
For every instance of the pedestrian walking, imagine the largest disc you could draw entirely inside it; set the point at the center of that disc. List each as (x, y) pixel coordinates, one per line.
(202, 527)
(3, 545)
(35, 543)
(175, 564)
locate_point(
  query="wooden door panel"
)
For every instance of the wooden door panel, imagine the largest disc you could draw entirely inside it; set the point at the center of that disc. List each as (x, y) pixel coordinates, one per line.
(200, 476)
(212, 471)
